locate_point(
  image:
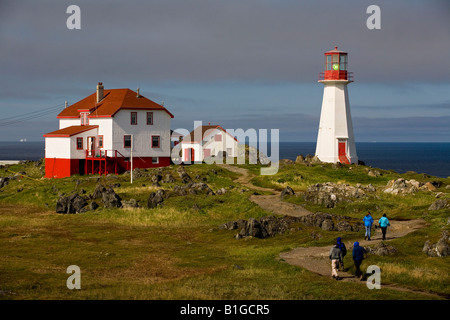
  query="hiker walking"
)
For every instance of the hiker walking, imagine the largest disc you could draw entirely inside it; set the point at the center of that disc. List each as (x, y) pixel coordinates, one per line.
(358, 257)
(368, 221)
(341, 246)
(335, 256)
(384, 223)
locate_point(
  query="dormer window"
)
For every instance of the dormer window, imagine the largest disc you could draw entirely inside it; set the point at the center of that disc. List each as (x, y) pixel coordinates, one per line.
(84, 118)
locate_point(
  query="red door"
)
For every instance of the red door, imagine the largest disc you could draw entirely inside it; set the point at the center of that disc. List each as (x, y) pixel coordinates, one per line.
(342, 153)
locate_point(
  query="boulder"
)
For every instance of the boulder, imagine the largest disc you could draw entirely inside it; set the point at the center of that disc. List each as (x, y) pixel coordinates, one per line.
(110, 199)
(438, 204)
(155, 199)
(430, 187)
(440, 249)
(300, 159)
(382, 249)
(71, 204)
(443, 245)
(287, 191)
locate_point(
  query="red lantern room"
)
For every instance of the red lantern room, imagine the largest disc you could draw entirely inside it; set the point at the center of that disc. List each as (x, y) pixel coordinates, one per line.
(336, 64)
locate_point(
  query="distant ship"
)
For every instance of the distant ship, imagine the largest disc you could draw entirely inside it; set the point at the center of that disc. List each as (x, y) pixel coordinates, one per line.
(23, 140)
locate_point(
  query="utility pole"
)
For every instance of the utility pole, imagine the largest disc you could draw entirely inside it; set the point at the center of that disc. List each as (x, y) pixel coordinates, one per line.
(131, 158)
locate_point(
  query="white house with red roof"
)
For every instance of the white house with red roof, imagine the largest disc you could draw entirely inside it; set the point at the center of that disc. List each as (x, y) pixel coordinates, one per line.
(101, 133)
(208, 141)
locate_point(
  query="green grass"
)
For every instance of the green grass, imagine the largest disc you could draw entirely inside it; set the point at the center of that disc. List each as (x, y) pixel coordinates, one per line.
(178, 252)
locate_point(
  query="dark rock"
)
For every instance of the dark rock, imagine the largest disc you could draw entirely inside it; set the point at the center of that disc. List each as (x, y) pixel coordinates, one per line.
(3, 181)
(155, 199)
(63, 205)
(78, 203)
(287, 191)
(110, 199)
(93, 205)
(98, 192)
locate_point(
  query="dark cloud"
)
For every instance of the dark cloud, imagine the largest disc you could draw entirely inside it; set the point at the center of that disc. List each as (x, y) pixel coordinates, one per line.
(139, 43)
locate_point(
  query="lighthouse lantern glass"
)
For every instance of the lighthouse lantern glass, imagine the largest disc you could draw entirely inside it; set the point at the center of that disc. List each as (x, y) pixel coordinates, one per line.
(343, 62)
(328, 63)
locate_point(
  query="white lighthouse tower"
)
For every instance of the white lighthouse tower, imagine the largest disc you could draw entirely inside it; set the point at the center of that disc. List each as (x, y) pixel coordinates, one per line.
(335, 140)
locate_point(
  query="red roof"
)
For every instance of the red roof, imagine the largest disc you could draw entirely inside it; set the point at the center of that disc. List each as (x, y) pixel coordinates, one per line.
(69, 131)
(113, 101)
(200, 132)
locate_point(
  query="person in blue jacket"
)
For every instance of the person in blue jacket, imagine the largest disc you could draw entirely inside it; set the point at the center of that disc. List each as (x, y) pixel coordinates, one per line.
(358, 257)
(384, 223)
(368, 221)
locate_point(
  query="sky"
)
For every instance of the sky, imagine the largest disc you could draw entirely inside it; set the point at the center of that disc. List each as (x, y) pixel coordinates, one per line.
(238, 63)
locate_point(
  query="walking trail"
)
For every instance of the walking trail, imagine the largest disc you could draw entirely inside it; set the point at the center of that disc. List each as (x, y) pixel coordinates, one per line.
(316, 259)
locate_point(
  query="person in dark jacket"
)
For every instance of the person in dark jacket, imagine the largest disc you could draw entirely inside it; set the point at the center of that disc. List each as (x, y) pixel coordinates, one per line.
(341, 246)
(384, 223)
(358, 257)
(335, 256)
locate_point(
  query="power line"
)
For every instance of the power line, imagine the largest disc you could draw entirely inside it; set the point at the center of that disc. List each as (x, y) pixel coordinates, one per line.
(29, 116)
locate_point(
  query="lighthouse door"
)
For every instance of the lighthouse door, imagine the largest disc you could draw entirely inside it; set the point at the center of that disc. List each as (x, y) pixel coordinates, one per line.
(342, 151)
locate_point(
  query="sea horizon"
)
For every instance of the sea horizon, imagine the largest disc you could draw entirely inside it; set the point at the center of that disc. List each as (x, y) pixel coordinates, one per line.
(432, 158)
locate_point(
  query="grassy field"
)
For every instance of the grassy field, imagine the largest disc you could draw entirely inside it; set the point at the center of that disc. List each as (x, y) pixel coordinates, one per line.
(178, 251)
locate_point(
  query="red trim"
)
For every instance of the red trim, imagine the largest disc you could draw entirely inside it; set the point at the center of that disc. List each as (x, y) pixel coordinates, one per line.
(159, 142)
(127, 135)
(131, 119)
(151, 123)
(78, 139)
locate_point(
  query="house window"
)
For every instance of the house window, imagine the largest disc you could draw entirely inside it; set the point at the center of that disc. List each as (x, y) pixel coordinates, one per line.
(133, 118)
(84, 118)
(149, 118)
(155, 141)
(100, 141)
(155, 160)
(127, 141)
(79, 143)
(218, 137)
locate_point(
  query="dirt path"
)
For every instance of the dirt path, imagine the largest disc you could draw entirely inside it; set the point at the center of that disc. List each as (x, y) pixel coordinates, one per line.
(272, 202)
(316, 259)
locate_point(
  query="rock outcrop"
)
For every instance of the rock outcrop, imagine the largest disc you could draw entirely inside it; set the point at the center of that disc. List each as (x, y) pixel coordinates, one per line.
(382, 249)
(71, 204)
(439, 204)
(440, 249)
(270, 226)
(403, 186)
(329, 194)
(287, 191)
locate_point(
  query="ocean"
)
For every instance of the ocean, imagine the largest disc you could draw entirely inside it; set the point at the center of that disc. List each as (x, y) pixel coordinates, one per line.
(429, 158)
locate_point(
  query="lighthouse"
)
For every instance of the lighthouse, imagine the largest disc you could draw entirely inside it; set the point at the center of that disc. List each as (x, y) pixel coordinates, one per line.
(335, 140)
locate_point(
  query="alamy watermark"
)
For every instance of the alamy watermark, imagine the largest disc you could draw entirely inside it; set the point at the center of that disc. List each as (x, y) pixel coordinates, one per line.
(193, 146)
(374, 21)
(374, 280)
(74, 281)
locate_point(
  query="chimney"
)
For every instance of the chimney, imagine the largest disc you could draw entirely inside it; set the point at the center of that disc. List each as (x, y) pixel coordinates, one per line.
(137, 93)
(99, 92)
